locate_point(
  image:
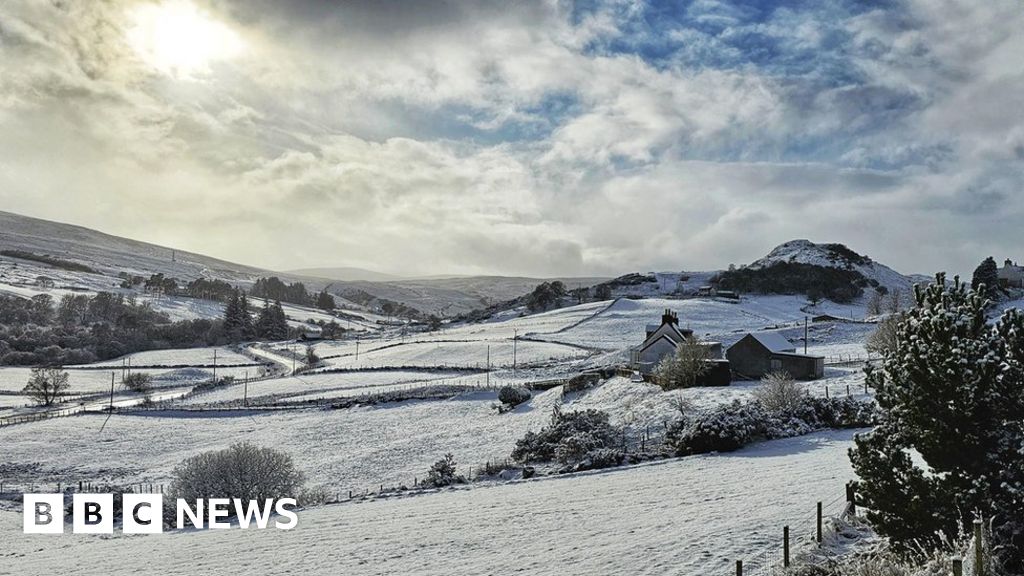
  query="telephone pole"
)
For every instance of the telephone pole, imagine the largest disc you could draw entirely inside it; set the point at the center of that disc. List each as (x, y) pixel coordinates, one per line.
(515, 340)
(805, 335)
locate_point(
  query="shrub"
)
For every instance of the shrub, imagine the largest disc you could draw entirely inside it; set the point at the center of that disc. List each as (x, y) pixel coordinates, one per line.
(568, 438)
(513, 395)
(46, 385)
(779, 392)
(443, 473)
(685, 368)
(244, 471)
(726, 428)
(138, 382)
(731, 426)
(600, 458)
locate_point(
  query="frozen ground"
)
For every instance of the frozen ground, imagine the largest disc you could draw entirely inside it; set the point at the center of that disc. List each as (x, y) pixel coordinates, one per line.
(689, 516)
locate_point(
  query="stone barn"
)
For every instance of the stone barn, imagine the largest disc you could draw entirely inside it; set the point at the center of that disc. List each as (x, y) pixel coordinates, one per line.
(759, 353)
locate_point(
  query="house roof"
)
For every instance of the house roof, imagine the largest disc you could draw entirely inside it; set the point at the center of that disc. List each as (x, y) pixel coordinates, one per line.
(774, 341)
(670, 331)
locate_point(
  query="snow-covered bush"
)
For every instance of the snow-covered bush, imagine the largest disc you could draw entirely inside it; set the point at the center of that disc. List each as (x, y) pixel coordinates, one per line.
(513, 396)
(731, 426)
(443, 473)
(779, 392)
(243, 471)
(138, 382)
(568, 438)
(600, 458)
(727, 427)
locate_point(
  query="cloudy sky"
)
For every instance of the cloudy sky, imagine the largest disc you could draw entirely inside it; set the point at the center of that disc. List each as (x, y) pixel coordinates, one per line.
(539, 138)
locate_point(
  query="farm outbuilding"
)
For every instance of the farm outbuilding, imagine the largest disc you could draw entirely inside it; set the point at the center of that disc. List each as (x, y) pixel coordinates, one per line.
(759, 353)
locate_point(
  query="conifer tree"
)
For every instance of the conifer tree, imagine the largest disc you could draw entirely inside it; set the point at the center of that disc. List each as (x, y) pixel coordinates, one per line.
(951, 391)
(324, 301)
(265, 322)
(278, 322)
(987, 274)
(247, 330)
(232, 314)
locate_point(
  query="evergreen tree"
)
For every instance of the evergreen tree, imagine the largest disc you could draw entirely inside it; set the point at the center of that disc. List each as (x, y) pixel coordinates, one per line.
(248, 330)
(324, 301)
(265, 322)
(278, 322)
(233, 314)
(987, 274)
(951, 390)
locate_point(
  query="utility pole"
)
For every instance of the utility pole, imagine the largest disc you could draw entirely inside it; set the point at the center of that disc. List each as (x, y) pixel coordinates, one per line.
(805, 334)
(515, 340)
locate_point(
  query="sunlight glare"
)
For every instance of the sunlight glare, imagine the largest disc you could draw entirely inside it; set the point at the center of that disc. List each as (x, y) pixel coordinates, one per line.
(179, 39)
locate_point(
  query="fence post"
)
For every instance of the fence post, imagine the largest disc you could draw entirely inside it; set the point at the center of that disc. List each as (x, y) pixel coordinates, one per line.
(958, 566)
(979, 553)
(785, 546)
(819, 523)
(739, 568)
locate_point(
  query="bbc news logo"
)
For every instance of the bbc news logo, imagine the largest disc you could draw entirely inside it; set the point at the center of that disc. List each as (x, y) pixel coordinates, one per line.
(144, 513)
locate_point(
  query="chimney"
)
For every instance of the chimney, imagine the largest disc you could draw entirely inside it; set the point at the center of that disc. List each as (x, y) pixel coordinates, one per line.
(669, 317)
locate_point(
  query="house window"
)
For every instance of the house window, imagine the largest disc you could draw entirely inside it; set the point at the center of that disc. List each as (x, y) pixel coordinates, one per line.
(776, 364)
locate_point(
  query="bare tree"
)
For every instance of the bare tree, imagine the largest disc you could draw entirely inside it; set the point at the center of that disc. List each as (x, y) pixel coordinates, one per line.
(875, 303)
(883, 338)
(895, 300)
(681, 403)
(685, 368)
(46, 385)
(779, 392)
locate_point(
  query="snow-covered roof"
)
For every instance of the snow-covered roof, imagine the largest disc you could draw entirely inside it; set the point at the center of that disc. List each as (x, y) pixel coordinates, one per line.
(773, 341)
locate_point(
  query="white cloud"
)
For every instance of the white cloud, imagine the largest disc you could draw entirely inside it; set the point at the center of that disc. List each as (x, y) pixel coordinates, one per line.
(489, 139)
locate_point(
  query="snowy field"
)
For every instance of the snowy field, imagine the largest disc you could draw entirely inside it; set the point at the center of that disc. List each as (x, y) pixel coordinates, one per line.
(89, 381)
(314, 385)
(683, 516)
(456, 354)
(182, 357)
(690, 516)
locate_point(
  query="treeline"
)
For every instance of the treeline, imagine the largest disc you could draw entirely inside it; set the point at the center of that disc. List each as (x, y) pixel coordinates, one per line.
(239, 324)
(80, 329)
(836, 284)
(274, 288)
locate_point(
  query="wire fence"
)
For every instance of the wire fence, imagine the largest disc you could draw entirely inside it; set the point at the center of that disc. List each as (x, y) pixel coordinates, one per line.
(795, 536)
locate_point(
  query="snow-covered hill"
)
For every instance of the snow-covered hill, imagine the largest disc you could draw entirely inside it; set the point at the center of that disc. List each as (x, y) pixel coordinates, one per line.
(833, 256)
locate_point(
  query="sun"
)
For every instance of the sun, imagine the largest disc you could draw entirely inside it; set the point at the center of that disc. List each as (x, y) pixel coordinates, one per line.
(179, 39)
